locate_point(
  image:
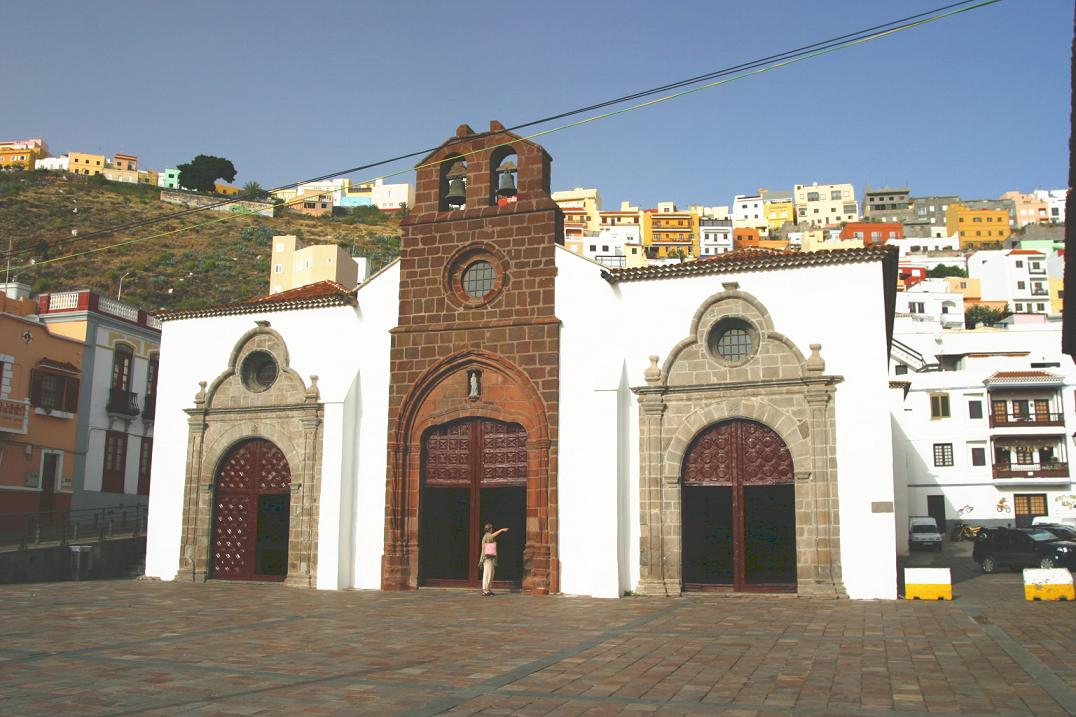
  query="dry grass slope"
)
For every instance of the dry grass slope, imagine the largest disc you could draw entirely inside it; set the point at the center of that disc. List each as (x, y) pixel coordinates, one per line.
(218, 263)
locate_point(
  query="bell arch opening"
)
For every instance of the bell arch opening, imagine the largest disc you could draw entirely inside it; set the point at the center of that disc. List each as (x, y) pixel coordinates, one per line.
(503, 166)
(738, 505)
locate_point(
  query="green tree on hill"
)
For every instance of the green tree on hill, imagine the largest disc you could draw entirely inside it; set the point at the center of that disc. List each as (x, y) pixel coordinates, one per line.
(253, 191)
(203, 171)
(942, 270)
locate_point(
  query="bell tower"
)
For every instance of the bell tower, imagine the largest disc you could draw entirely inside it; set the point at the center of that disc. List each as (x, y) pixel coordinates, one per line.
(477, 341)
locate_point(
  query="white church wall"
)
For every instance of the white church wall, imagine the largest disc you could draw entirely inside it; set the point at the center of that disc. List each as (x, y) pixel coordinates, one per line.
(379, 309)
(194, 350)
(657, 315)
(590, 477)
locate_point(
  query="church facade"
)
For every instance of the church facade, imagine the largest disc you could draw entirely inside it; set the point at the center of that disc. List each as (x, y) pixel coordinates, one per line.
(720, 424)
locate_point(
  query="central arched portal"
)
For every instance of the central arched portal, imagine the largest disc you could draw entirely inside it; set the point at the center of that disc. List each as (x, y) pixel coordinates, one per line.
(739, 510)
(474, 471)
(252, 500)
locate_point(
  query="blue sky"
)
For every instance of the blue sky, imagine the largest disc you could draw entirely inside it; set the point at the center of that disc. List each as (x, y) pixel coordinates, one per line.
(973, 105)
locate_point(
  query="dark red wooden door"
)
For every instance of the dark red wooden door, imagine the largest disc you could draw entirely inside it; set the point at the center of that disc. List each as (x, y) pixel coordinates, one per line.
(253, 488)
(738, 508)
(474, 471)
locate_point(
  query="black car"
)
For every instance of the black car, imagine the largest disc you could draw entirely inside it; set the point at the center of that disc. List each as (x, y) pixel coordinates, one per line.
(1022, 548)
(1063, 532)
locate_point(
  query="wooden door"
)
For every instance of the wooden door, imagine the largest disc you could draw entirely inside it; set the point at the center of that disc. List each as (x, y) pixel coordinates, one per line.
(49, 464)
(474, 471)
(250, 521)
(936, 510)
(738, 508)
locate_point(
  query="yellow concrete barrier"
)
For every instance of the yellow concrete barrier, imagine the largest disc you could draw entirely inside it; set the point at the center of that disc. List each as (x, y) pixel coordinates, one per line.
(928, 584)
(1052, 584)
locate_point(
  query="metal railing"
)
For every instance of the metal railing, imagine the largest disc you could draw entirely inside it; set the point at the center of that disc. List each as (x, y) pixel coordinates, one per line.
(149, 407)
(20, 531)
(122, 402)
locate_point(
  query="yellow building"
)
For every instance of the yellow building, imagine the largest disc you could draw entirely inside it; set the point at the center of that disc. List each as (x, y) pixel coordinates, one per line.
(969, 287)
(148, 176)
(85, 164)
(25, 157)
(977, 227)
(1057, 295)
(294, 265)
(585, 206)
(226, 189)
(122, 168)
(670, 233)
(777, 212)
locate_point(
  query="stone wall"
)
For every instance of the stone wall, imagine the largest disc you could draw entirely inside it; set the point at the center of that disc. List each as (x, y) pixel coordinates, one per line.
(445, 333)
(774, 386)
(187, 199)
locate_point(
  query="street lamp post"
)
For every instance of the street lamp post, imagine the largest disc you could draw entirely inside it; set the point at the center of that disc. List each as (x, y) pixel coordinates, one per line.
(119, 293)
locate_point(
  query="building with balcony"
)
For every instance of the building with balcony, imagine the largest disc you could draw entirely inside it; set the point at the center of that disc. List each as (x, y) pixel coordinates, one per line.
(22, 153)
(981, 426)
(669, 233)
(40, 372)
(823, 204)
(1055, 203)
(121, 168)
(1019, 277)
(117, 396)
(932, 300)
(892, 206)
(585, 206)
(715, 236)
(779, 209)
(1030, 209)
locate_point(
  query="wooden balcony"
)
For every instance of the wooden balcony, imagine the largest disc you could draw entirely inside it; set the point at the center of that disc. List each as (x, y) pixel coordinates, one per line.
(1013, 420)
(1031, 470)
(14, 416)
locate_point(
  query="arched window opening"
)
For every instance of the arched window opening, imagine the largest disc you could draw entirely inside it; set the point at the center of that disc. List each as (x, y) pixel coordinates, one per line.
(503, 180)
(453, 191)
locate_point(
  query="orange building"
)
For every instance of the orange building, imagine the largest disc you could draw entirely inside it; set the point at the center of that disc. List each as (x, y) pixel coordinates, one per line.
(39, 386)
(670, 233)
(746, 237)
(872, 233)
(977, 227)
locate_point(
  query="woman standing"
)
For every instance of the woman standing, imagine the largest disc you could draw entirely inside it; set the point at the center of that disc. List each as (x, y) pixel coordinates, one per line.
(487, 558)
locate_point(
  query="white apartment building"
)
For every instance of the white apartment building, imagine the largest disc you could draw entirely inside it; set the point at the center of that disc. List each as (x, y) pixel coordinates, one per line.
(616, 247)
(1016, 276)
(1055, 203)
(390, 197)
(747, 211)
(931, 301)
(985, 439)
(117, 396)
(715, 237)
(925, 245)
(822, 204)
(55, 164)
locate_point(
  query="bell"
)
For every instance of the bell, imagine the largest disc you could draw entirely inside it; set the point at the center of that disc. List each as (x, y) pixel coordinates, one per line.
(507, 186)
(457, 192)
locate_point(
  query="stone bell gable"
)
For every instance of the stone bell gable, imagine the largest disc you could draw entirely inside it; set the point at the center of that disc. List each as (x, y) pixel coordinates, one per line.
(477, 335)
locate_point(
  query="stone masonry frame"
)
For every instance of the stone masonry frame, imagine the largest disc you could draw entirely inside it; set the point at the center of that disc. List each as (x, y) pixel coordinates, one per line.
(289, 414)
(776, 387)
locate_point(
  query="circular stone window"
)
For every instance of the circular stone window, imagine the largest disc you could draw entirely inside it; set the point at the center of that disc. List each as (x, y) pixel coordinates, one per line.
(732, 341)
(259, 371)
(479, 279)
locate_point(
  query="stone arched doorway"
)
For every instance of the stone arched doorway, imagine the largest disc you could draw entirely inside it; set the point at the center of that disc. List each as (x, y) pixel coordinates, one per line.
(252, 500)
(474, 471)
(739, 510)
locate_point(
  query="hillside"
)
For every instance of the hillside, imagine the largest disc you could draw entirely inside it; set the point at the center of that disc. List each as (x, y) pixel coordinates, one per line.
(220, 262)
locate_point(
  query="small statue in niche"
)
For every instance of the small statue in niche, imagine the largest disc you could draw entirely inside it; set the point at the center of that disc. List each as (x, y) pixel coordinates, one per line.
(473, 385)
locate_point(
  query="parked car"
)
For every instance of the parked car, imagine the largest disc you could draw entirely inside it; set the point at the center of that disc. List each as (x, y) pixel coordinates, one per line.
(1053, 520)
(1022, 548)
(923, 533)
(1064, 532)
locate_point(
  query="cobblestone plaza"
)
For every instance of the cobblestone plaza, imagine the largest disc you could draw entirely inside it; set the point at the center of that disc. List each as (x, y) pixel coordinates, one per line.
(151, 648)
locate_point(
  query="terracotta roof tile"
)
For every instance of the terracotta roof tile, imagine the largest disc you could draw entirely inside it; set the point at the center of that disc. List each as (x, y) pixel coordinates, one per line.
(1035, 377)
(311, 296)
(753, 259)
(1024, 251)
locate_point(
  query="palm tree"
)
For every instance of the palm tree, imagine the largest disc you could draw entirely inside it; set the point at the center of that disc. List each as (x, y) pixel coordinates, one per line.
(253, 190)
